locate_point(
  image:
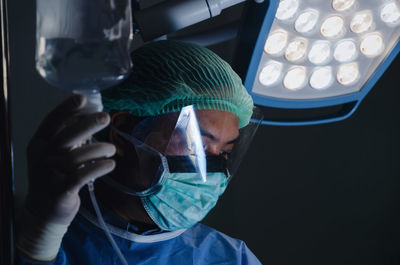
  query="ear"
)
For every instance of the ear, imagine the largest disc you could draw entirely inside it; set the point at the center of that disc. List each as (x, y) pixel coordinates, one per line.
(126, 122)
(123, 120)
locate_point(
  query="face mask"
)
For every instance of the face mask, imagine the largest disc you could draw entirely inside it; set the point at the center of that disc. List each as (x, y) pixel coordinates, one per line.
(181, 197)
(184, 199)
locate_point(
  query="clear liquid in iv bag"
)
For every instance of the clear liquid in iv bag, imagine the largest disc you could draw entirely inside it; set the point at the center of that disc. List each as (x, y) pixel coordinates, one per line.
(84, 66)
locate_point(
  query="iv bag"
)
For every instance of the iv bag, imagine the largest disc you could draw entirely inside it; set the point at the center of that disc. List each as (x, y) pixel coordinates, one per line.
(83, 44)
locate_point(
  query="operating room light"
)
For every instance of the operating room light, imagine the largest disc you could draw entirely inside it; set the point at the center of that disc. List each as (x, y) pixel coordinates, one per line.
(271, 73)
(276, 42)
(348, 74)
(321, 78)
(295, 78)
(345, 51)
(390, 14)
(318, 54)
(361, 22)
(287, 9)
(372, 45)
(307, 21)
(332, 27)
(342, 5)
(296, 50)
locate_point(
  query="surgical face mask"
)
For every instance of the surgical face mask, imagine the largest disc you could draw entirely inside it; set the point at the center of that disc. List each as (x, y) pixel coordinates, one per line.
(183, 200)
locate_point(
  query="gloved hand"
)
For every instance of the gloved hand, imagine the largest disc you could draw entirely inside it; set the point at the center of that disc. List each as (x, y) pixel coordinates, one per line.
(59, 166)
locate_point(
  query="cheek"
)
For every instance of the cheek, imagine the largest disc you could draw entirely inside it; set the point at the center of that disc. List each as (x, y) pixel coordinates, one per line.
(157, 141)
(177, 146)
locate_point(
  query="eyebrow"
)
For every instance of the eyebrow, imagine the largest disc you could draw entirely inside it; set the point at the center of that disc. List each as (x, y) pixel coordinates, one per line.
(212, 137)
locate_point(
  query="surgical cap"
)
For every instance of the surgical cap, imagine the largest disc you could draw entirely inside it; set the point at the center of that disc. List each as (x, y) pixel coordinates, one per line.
(169, 75)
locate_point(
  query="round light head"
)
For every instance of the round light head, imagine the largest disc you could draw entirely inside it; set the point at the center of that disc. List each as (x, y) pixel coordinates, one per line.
(345, 51)
(307, 21)
(287, 9)
(295, 78)
(372, 45)
(361, 22)
(270, 73)
(320, 52)
(332, 27)
(321, 78)
(296, 49)
(390, 14)
(276, 42)
(348, 74)
(342, 5)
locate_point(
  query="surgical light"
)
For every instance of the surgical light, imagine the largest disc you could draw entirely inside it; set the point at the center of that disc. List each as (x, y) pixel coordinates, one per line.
(316, 56)
(276, 42)
(345, 51)
(287, 9)
(348, 73)
(342, 5)
(321, 78)
(307, 21)
(362, 22)
(372, 45)
(332, 27)
(390, 14)
(270, 73)
(320, 52)
(296, 49)
(295, 78)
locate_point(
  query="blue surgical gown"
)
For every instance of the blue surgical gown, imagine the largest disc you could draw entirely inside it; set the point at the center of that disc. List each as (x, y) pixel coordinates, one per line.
(86, 244)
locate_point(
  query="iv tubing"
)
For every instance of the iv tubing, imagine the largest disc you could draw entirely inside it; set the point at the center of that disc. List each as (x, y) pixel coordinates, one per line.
(103, 224)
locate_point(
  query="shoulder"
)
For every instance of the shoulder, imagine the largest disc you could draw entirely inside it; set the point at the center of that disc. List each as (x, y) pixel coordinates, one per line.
(219, 244)
(202, 234)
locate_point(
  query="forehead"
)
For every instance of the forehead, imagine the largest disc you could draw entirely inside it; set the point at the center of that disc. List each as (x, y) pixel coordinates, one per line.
(223, 125)
(206, 118)
(215, 117)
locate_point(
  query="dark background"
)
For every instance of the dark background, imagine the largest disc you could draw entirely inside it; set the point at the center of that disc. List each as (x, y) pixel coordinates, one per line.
(326, 194)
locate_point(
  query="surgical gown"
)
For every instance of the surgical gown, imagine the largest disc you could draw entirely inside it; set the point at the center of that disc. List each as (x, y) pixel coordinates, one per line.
(85, 243)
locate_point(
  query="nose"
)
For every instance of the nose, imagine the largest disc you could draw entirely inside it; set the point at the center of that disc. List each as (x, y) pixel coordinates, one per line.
(213, 149)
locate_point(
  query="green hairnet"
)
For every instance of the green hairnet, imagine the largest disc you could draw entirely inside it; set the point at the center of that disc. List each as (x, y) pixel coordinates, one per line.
(168, 75)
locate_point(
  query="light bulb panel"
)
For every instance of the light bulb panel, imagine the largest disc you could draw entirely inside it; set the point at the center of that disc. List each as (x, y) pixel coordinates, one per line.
(312, 38)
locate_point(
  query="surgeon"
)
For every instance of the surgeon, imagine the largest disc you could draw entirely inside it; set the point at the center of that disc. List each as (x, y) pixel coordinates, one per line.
(165, 148)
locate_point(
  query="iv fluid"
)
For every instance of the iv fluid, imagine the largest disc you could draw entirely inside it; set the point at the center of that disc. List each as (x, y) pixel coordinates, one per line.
(85, 66)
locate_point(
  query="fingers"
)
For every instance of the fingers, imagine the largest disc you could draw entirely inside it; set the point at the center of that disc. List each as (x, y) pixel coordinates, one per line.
(91, 152)
(80, 130)
(90, 171)
(71, 170)
(71, 160)
(59, 115)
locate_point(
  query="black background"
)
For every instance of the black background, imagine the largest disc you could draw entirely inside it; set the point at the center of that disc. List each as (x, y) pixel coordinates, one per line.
(325, 194)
